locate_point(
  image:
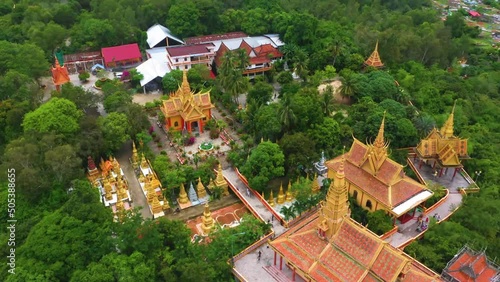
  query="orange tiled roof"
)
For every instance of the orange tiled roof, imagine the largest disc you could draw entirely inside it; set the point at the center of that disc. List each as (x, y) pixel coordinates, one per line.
(389, 186)
(265, 49)
(354, 254)
(473, 267)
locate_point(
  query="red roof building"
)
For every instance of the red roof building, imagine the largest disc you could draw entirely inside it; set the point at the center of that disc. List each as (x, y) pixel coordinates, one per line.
(121, 55)
(474, 14)
(330, 246)
(471, 266)
(215, 37)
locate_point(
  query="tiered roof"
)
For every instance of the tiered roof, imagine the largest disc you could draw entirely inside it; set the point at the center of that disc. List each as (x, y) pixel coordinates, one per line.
(443, 146)
(185, 103)
(471, 266)
(368, 167)
(60, 74)
(374, 59)
(330, 246)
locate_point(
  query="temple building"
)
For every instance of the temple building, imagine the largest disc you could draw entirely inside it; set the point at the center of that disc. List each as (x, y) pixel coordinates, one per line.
(151, 187)
(60, 74)
(377, 182)
(185, 110)
(442, 148)
(330, 246)
(470, 265)
(374, 59)
(112, 185)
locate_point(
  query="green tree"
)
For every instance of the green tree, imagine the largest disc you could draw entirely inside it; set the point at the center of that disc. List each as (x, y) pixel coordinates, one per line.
(82, 98)
(260, 94)
(183, 19)
(299, 150)
(325, 135)
(58, 114)
(171, 81)
(115, 128)
(264, 163)
(116, 101)
(379, 222)
(267, 123)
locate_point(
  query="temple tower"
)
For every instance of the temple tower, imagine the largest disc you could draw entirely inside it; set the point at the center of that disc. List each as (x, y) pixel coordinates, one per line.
(92, 171)
(281, 195)
(315, 185)
(220, 181)
(289, 195)
(60, 74)
(183, 197)
(447, 129)
(200, 189)
(135, 157)
(207, 220)
(156, 207)
(378, 150)
(144, 162)
(374, 59)
(336, 206)
(271, 199)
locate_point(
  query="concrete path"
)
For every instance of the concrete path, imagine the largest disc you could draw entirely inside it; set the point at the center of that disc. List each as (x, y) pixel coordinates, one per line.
(138, 199)
(249, 265)
(445, 209)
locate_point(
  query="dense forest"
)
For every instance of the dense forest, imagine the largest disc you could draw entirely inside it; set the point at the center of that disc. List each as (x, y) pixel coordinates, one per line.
(63, 236)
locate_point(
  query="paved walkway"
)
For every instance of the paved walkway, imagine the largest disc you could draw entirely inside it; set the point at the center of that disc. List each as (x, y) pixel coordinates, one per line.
(446, 208)
(249, 265)
(138, 199)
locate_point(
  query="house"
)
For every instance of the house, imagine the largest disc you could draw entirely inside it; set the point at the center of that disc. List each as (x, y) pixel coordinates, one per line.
(184, 57)
(122, 55)
(471, 266)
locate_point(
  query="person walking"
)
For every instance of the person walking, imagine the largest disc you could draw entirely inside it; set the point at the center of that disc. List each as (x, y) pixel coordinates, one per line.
(260, 254)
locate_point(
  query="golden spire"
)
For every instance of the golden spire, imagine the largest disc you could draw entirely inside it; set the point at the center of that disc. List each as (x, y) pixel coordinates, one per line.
(134, 155)
(144, 162)
(289, 195)
(156, 206)
(207, 220)
(271, 199)
(281, 195)
(220, 181)
(200, 189)
(150, 190)
(336, 206)
(379, 141)
(263, 197)
(183, 197)
(374, 59)
(447, 129)
(315, 185)
(186, 89)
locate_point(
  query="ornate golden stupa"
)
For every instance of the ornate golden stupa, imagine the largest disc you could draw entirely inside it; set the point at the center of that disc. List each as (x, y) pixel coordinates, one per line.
(207, 220)
(281, 195)
(135, 157)
(156, 206)
(271, 199)
(183, 197)
(315, 185)
(289, 195)
(200, 189)
(220, 181)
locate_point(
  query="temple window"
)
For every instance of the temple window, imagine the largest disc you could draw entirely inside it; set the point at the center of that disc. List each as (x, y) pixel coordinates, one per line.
(176, 60)
(355, 194)
(369, 204)
(176, 123)
(185, 67)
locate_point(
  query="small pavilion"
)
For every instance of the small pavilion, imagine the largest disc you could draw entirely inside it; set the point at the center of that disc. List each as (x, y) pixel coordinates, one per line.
(443, 149)
(374, 59)
(185, 110)
(330, 246)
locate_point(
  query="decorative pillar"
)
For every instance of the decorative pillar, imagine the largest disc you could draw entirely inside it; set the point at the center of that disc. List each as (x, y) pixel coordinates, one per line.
(275, 257)
(169, 123)
(189, 126)
(200, 125)
(420, 164)
(440, 172)
(281, 263)
(434, 165)
(293, 275)
(455, 173)
(446, 171)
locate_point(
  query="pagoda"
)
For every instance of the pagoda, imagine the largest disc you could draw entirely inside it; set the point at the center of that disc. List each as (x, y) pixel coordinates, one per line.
(183, 197)
(207, 221)
(315, 185)
(442, 148)
(151, 187)
(92, 171)
(202, 193)
(193, 197)
(281, 196)
(320, 166)
(374, 59)
(376, 181)
(135, 158)
(185, 110)
(60, 74)
(330, 246)
(271, 199)
(289, 195)
(220, 181)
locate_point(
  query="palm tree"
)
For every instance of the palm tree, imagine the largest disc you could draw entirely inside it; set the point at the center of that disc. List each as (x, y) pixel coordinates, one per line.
(348, 87)
(327, 100)
(287, 117)
(231, 71)
(335, 49)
